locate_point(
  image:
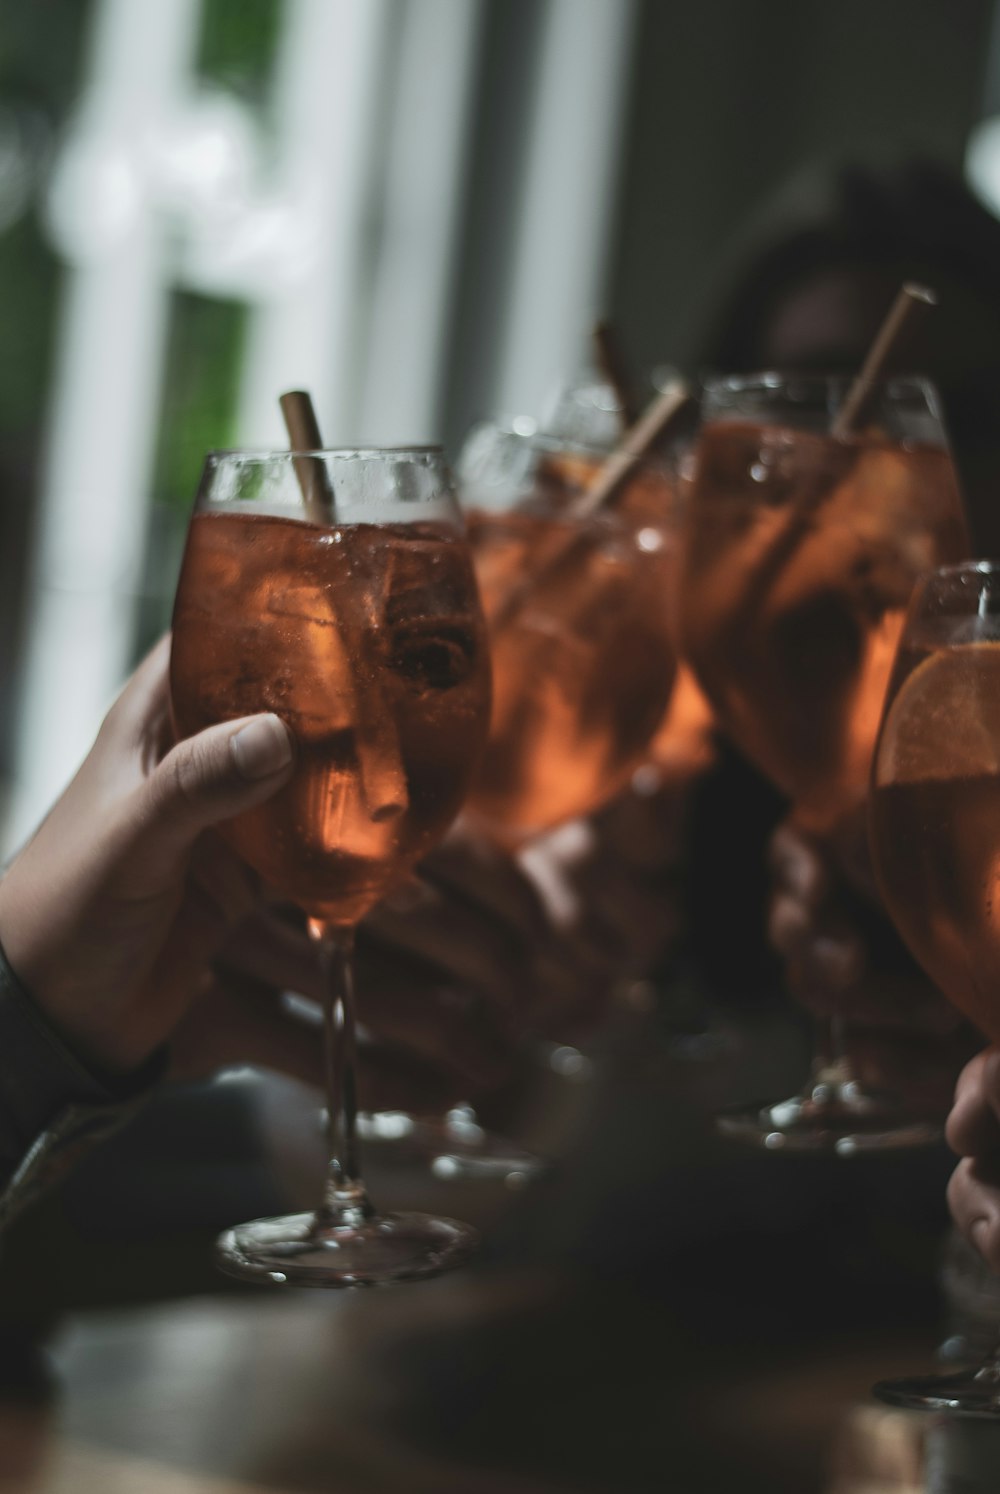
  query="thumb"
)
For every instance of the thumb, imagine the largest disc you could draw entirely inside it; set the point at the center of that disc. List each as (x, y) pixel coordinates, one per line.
(217, 774)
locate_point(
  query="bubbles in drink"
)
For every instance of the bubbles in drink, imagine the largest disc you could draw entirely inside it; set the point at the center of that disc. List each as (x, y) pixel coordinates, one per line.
(800, 556)
(583, 660)
(367, 640)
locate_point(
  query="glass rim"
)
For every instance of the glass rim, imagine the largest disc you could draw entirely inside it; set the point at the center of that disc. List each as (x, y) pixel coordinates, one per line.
(544, 441)
(354, 453)
(984, 567)
(775, 378)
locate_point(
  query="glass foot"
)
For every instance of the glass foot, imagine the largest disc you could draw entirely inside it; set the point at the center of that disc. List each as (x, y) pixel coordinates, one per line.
(969, 1393)
(456, 1147)
(301, 1250)
(832, 1116)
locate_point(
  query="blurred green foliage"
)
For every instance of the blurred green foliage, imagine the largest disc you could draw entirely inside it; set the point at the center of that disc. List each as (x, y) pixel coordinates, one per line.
(41, 47)
(43, 69)
(198, 413)
(200, 392)
(206, 337)
(29, 277)
(236, 48)
(238, 41)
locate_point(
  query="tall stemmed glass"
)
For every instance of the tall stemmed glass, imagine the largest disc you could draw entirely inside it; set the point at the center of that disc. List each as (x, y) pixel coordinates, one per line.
(583, 665)
(934, 820)
(360, 625)
(576, 600)
(800, 554)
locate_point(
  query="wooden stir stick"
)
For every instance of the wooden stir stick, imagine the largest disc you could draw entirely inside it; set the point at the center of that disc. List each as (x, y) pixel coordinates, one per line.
(612, 367)
(907, 309)
(304, 437)
(666, 410)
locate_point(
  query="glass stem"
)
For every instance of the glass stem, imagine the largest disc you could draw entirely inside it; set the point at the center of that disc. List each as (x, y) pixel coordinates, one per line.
(989, 1369)
(830, 1063)
(345, 1200)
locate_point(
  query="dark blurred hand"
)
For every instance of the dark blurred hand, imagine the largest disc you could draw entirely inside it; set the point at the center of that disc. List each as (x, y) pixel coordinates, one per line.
(484, 951)
(480, 952)
(845, 959)
(479, 929)
(973, 1131)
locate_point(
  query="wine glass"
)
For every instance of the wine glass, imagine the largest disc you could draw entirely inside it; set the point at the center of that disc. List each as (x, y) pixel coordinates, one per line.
(335, 589)
(800, 553)
(583, 665)
(580, 634)
(934, 821)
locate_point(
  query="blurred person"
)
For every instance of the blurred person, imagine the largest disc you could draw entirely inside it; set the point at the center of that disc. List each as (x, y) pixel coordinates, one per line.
(823, 264)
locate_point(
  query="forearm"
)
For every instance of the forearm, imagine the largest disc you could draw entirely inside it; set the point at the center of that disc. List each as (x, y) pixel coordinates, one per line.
(52, 1107)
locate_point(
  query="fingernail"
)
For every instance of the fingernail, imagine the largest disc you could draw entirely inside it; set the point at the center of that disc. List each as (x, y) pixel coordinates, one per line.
(261, 748)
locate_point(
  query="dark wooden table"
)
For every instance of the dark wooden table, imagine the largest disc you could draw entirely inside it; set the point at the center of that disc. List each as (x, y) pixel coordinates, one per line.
(666, 1314)
(329, 1395)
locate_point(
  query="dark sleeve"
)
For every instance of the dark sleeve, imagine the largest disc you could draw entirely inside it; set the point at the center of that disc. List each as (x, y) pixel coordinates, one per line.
(52, 1107)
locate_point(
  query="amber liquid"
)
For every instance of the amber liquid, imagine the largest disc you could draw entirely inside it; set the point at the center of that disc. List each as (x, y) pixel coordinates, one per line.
(800, 556)
(683, 744)
(935, 822)
(582, 666)
(369, 642)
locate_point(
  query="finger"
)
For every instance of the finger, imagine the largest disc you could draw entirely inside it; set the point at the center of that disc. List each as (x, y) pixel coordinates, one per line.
(219, 894)
(241, 1021)
(974, 1201)
(138, 727)
(223, 879)
(644, 828)
(121, 757)
(462, 945)
(145, 697)
(818, 938)
(199, 929)
(209, 778)
(637, 917)
(574, 997)
(472, 870)
(277, 951)
(919, 1070)
(973, 1128)
(405, 1007)
(395, 984)
(392, 1080)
